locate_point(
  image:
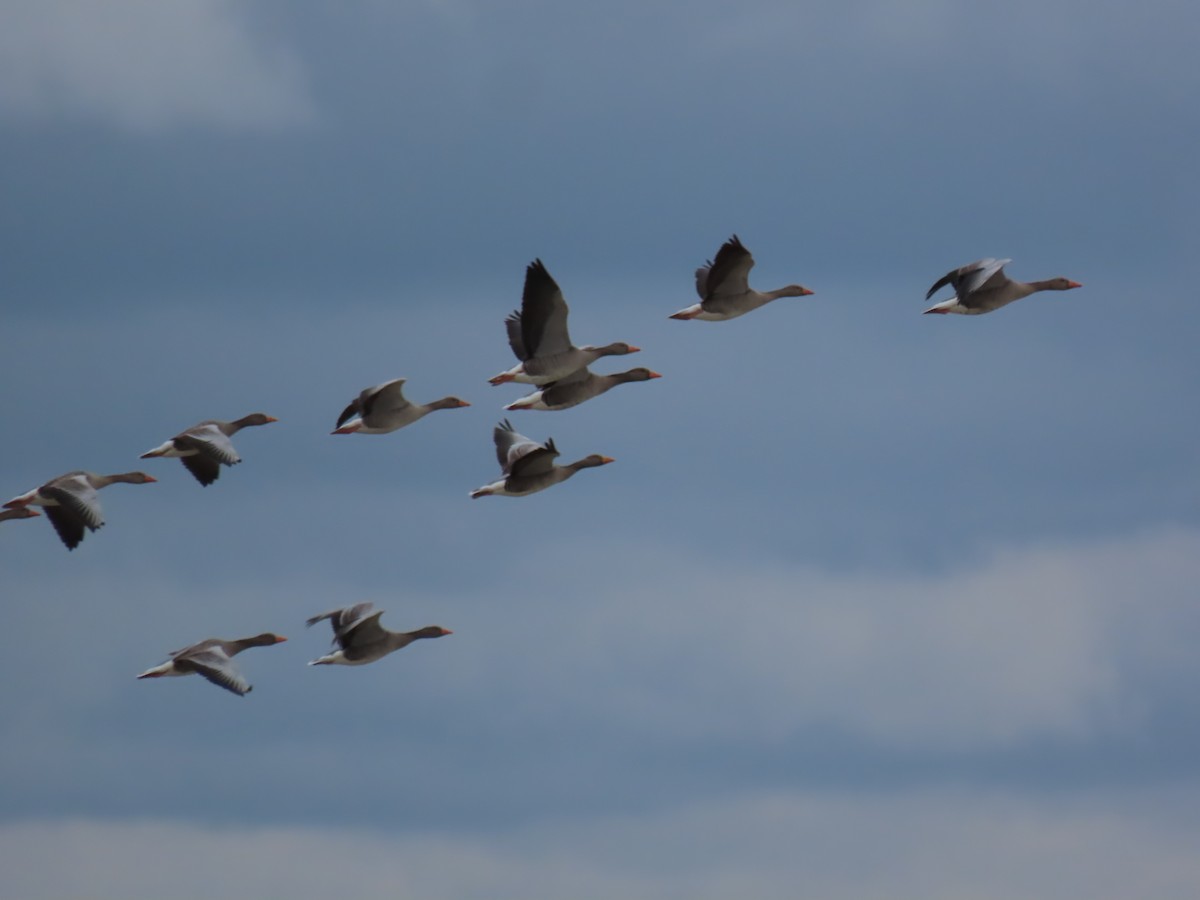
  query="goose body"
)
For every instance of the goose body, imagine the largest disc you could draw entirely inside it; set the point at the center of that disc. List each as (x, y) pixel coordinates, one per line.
(528, 467)
(213, 659)
(724, 287)
(361, 639)
(384, 408)
(577, 387)
(982, 287)
(539, 338)
(72, 503)
(205, 446)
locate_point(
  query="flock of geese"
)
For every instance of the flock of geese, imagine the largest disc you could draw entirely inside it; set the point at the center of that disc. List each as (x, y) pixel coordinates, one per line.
(546, 359)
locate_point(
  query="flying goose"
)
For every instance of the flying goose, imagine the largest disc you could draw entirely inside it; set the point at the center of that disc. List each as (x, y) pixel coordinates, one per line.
(203, 447)
(383, 409)
(529, 467)
(71, 501)
(538, 335)
(724, 289)
(982, 287)
(577, 387)
(361, 639)
(213, 659)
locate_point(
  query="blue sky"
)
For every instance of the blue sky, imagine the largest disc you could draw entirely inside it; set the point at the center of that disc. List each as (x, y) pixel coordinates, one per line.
(870, 604)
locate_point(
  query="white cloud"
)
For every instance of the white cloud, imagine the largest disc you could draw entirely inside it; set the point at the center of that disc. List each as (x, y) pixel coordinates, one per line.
(1035, 643)
(917, 844)
(146, 65)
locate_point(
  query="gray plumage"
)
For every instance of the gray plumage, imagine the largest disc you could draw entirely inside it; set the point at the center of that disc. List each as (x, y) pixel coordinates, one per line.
(361, 639)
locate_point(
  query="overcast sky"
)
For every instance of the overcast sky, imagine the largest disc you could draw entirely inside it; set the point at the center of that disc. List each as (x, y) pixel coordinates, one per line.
(870, 605)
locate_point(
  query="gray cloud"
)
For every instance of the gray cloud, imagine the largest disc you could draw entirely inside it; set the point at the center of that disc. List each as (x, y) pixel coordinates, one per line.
(852, 567)
(932, 845)
(147, 67)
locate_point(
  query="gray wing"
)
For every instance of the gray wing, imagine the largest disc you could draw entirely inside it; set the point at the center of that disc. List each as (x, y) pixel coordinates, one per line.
(67, 525)
(208, 440)
(75, 495)
(204, 469)
(383, 397)
(78, 507)
(506, 438)
(362, 632)
(972, 277)
(543, 316)
(538, 459)
(195, 648)
(516, 452)
(702, 279)
(985, 275)
(730, 271)
(353, 409)
(512, 324)
(216, 667)
(343, 619)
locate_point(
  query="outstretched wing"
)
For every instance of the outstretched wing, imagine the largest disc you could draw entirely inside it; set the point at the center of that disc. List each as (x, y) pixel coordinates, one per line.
(386, 396)
(729, 272)
(364, 631)
(354, 409)
(543, 318)
(971, 277)
(344, 619)
(68, 525)
(517, 454)
(208, 440)
(205, 469)
(78, 507)
(216, 667)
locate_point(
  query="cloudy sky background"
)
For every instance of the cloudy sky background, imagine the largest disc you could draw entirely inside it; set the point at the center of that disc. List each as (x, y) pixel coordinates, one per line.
(870, 605)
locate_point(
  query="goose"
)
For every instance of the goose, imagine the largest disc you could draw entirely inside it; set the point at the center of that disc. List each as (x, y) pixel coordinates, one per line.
(724, 289)
(383, 409)
(203, 447)
(982, 287)
(20, 512)
(578, 387)
(213, 659)
(71, 501)
(529, 467)
(538, 335)
(361, 639)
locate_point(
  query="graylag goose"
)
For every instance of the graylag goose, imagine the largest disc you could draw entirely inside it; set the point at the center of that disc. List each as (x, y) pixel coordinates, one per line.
(206, 445)
(213, 659)
(578, 387)
(71, 501)
(538, 335)
(384, 408)
(361, 639)
(724, 287)
(529, 467)
(982, 287)
(20, 512)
